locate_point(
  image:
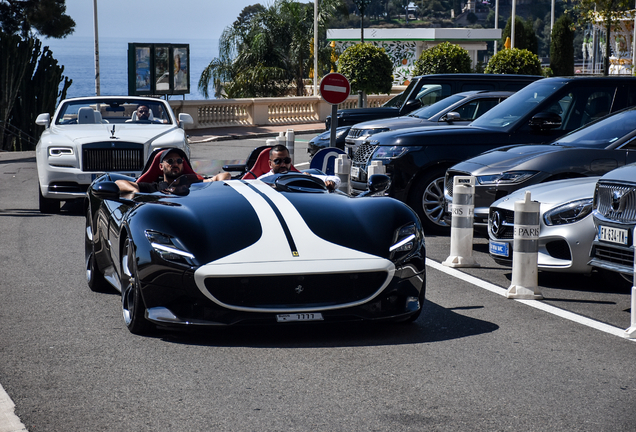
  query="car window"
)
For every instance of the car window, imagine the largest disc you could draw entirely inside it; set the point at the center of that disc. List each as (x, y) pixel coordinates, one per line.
(439, 106)
(520, 104)
(106, 111)
(398, 100)
(587, 104)
(473, 109)
(602, 133)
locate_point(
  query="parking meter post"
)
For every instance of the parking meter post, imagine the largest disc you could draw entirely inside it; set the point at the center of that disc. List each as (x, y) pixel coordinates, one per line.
(376, 167)
(334, 125)
(280, 139)
(360, 99)
(342, 169)
(462, 220)
(290, 142)
(631, 331)
(525, 251)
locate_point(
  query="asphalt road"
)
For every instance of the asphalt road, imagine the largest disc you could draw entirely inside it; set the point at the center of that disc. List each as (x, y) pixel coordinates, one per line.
(473, 361)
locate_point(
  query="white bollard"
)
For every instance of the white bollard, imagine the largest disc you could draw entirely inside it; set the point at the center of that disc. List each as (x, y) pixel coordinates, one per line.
(376, 167)
(290, 139)
(463, 217)
(631, 331)
(525, 251)
(342, 168)
(271, 142)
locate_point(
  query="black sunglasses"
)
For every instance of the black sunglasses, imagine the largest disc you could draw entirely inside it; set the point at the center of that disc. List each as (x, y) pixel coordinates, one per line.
(171, 161)
(278, 161)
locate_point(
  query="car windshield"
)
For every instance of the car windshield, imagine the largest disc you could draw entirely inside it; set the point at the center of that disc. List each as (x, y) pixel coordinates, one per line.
(103, 111)
(399, 100)
(519, 104)
(431, 110)
(602, 133)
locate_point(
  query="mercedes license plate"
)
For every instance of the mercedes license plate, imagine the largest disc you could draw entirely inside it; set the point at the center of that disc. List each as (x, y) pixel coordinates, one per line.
(355, 173)
(613, 235)
(500, 249)
(307, 316)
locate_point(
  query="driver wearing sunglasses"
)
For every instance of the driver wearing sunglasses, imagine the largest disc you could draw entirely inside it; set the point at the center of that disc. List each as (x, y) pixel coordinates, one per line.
(171, 165)
(280, 163)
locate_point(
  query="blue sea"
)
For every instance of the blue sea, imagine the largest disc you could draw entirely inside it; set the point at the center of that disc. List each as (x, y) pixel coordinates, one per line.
(76, 54)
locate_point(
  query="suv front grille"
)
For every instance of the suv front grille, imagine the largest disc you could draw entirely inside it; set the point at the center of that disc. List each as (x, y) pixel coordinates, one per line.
(616, 202)
(450, 178)
(364, 153)
(104, 157)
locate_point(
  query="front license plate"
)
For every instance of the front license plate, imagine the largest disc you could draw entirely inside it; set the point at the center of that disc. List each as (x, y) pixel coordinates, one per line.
(499, 249)
(613, 235)
(355, 173)
(314, 316)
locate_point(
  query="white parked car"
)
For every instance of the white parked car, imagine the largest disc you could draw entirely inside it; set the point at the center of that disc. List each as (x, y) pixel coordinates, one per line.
(92, 135)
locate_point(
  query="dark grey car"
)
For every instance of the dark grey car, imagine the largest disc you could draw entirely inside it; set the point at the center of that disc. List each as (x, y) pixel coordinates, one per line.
(592, 150)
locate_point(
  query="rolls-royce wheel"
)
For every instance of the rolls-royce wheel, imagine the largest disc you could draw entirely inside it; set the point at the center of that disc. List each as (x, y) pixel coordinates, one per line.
(427, 200)
(131, 301)
(48, 205)
(94, 277)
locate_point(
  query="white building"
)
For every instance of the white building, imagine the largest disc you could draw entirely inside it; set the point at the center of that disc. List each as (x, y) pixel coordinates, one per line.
(404, 46)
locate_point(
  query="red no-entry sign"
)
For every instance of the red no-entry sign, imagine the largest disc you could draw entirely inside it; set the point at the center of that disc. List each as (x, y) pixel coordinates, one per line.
(335, 88)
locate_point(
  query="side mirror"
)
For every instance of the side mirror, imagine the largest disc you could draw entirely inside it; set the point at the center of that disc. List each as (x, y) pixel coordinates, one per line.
(545, 121)
(451, 116)
(185, 119)
(106, 190)
(378, 183)
(43, 120)
(412, 105)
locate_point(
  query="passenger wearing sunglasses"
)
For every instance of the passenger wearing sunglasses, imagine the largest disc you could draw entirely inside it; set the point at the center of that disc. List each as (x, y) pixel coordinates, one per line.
(171, 165)
(280, 163)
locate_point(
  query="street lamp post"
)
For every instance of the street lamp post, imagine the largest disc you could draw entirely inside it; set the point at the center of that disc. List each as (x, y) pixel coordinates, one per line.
(97, 86)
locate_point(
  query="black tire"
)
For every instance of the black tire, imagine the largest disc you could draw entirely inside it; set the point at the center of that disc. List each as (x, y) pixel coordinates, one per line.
(94, 277)
(48, 205)
(427, 199)
(132, 303)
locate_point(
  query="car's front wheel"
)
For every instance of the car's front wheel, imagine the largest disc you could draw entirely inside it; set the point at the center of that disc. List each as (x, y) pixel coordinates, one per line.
(94, 277)
(427, 200)
(48, 205)
(132, 303)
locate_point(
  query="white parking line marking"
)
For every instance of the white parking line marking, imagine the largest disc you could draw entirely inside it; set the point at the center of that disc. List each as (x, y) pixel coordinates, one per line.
(9, 422)
(537, 304)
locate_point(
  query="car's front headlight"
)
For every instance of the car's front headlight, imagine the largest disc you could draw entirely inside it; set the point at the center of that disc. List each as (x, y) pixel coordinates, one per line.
(390, 152)
(568, 213)
(405, 240)
(509, 177)
(169, 248)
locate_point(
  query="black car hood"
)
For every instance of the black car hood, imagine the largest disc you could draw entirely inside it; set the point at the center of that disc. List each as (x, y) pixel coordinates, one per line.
(504, 158)
(218, 219)
(434, 135)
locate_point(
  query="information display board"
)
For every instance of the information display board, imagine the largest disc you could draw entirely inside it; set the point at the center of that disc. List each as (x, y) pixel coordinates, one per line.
(158, 69)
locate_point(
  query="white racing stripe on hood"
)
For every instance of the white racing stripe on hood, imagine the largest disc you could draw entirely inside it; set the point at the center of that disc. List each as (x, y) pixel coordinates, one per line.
(271, 254)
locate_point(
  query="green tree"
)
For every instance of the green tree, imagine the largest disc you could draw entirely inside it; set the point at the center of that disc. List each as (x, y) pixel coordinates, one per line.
(609, 13)
(368, 68)
(525, 37)
(562, 46)
(46, 17)
(514, 61)
(443, 58)
(267, 50)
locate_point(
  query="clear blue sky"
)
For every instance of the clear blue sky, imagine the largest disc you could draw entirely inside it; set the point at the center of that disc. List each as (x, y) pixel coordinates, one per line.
(158, 19)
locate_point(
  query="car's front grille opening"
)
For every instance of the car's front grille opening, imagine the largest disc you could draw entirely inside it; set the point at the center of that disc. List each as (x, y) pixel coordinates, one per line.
(290, 291)
(614, 255)
(616, 202)
(364, 153)
(105, 157)
(559, 249)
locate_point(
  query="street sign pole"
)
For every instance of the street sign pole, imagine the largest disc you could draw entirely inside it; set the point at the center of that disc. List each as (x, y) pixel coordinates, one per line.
(334, 89)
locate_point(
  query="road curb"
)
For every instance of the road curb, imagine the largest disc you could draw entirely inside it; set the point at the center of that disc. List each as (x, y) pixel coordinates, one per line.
(230, 137)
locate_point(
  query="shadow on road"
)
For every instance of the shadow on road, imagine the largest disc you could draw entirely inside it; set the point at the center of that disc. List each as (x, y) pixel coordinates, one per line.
(435, 324)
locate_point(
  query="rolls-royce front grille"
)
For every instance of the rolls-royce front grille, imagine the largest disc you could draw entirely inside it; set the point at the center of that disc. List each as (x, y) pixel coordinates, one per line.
(293, 291)
(104, 157)
(616, 202)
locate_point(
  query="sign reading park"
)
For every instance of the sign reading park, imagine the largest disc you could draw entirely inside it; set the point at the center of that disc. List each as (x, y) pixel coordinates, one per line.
(335, 88)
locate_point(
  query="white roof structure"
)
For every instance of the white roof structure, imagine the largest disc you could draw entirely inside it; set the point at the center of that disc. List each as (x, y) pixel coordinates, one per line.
(453, 35)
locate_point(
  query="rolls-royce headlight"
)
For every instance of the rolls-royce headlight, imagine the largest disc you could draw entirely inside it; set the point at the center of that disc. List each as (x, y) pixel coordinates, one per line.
(169, 248)
(568, 213)
(406, 240)
(510, 177)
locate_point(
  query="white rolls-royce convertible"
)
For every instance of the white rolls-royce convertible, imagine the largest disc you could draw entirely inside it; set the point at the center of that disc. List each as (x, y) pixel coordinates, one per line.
(92, 135)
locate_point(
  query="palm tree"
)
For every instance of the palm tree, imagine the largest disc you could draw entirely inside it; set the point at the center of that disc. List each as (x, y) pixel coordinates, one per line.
(266, 50)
